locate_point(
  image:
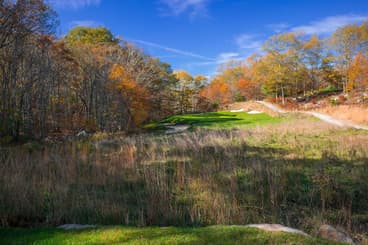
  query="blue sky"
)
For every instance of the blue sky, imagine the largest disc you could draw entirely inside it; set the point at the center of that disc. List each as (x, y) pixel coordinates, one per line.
(200, 35)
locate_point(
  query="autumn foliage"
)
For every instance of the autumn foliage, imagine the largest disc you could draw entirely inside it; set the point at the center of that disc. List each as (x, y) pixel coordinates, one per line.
(87, 80)
(136, 95)
(358, 73)
(217, 92)
(248, 88)
(297, 65)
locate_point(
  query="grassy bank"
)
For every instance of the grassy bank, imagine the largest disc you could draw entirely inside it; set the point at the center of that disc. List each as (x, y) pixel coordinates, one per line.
(169, 235)
(300, 173)
(222, 119)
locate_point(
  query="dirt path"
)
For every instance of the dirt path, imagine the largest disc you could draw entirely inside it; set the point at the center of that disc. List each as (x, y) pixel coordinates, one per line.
(271, 106)
(323, 117)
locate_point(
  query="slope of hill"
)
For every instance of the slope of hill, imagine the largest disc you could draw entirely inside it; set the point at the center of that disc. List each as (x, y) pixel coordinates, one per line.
(350, 107)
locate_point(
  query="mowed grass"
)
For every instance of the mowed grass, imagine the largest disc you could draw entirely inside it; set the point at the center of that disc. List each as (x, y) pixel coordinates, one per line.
(154, 235)
(222, 119)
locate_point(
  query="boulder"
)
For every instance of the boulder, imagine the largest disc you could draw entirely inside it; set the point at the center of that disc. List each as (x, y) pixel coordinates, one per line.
(177, 129)
(68, 227)
(277, 227)
(82, 133)
(300, 99)
(329, 232)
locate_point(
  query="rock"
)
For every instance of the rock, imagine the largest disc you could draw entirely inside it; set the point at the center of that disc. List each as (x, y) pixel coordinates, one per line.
(277, 227)
(82, 134)
(68, 227)
(331, 233)
(300, 99)
(177, 129)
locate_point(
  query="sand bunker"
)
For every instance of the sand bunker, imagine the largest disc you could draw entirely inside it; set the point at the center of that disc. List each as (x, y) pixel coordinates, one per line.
(240, 110)
(255, 112)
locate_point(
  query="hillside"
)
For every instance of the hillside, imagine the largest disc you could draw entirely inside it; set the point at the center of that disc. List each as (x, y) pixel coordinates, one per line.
(350, 107)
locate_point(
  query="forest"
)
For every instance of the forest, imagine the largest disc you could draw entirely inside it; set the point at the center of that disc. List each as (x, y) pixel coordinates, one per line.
(88, 80)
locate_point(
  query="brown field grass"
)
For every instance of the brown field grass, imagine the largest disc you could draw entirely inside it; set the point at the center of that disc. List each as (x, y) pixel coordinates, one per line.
(354, 113)
(300, 173)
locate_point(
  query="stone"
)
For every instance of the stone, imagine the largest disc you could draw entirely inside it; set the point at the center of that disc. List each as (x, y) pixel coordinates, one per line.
(68, 227)
(177, 129)
(277, 227)
(82, 134)
(329, 232)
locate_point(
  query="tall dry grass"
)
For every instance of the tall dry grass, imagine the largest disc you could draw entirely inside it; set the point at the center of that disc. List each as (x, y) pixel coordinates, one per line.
(300, 173)
(354, 113)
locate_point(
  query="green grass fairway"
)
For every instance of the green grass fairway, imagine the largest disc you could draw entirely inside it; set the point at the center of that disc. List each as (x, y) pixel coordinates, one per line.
(124, 235)
(223, 119)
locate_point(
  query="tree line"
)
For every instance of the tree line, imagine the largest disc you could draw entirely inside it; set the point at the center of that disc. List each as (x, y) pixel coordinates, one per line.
(88, 80)
(297, 65)
(91, 80)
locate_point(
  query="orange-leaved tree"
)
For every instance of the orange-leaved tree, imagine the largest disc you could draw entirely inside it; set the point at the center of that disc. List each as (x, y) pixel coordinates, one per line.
(134, 95)
(217, 92)
(248, 89)
(358, 73)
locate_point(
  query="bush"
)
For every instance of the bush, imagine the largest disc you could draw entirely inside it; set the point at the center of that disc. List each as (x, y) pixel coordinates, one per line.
(328, 89)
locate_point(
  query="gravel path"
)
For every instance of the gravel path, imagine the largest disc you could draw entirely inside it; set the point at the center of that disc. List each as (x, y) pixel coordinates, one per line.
(323, 117)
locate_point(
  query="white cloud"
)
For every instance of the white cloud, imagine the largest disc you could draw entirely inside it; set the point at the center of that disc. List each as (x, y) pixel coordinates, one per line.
(88, 23)
(329, 24)
(167, 56)
(177, 7)
(172, 50)
(278, 27)
(247, 44)
(74, 4)
(224, 58)
(221, 59)
(228, 56)
(248, 41)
